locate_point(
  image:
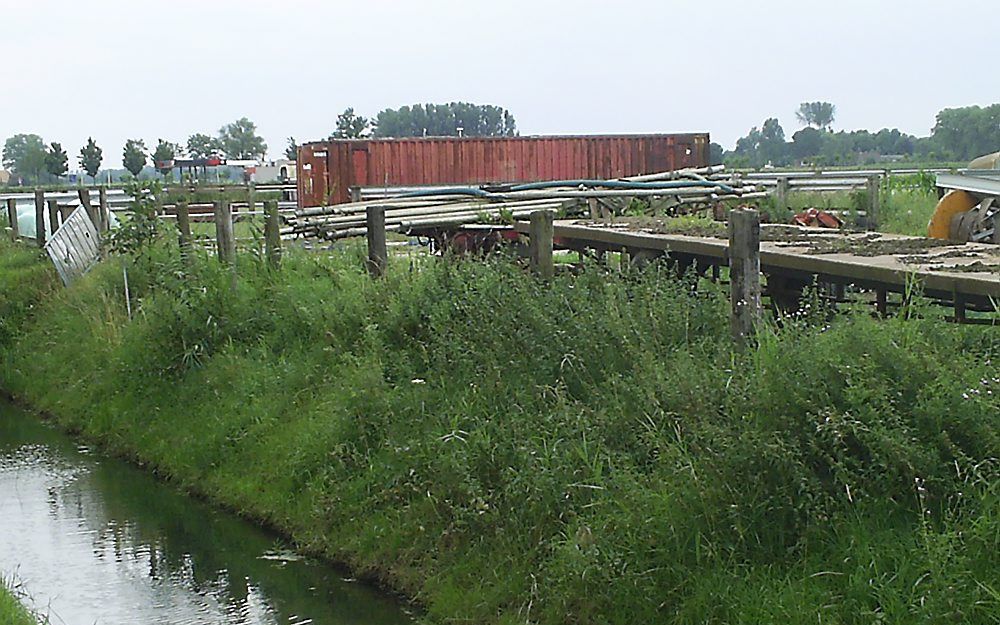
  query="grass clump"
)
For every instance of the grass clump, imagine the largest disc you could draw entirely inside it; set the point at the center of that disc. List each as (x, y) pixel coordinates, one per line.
(12, 611)
(587, 450)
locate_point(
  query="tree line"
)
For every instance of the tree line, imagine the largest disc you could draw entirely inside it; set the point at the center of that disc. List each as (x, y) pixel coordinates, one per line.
(959, 134)
(32, 161)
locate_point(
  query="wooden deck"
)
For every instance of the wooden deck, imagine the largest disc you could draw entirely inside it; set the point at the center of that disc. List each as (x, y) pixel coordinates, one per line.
(968, 273)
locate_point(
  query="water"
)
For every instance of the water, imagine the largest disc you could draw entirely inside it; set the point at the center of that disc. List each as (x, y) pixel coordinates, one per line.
(93, 540)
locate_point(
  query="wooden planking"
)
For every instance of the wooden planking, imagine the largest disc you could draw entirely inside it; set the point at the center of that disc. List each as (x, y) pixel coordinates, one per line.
(74, 247)
(888, 270)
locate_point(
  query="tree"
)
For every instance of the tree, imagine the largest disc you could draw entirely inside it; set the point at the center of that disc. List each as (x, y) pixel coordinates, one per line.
(292, 151)
(715, 152)
(968, 131)
(351, 126)
(202, 146)
(134, 156)
(807, 143)
(818, 114)
(56, 160)
(164, 154)
(240, 141)
(446, 120)
(90, 158)
(25, 154)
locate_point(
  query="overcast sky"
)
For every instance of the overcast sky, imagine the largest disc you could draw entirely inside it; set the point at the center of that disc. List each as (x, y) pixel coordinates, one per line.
(118, 69)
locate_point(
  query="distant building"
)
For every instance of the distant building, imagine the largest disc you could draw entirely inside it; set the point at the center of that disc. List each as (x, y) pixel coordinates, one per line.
(281, 170)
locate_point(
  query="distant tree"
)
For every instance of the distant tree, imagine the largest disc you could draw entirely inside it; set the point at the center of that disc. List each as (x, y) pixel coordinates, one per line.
(165, 152)
(715, 152)
(292, 151)
(446, 120)
(807, 143)
(202, 146)
(90, 158)
(351, 126)
(762, 146)
(134, 156)
(56, 160)
(969, 131)
(25, 155)
(818, 114)
(240, 141)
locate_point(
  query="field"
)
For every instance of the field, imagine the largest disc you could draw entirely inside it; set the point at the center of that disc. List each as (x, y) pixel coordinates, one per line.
(502, 450)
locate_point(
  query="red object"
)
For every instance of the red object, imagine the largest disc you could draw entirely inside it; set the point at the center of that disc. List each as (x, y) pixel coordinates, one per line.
(817, 219)
(328, 169)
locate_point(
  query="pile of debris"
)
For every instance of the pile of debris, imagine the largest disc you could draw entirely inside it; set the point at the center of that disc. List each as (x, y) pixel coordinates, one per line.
(415, 211)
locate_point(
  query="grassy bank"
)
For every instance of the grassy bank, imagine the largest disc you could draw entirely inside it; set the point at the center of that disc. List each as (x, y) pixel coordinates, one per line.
(588, 451)
(12, 612)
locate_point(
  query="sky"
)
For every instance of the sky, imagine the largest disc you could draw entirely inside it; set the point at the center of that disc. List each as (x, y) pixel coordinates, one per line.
(117, 69)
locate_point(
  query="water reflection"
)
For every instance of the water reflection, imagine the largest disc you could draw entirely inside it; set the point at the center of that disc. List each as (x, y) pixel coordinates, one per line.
(95, 540)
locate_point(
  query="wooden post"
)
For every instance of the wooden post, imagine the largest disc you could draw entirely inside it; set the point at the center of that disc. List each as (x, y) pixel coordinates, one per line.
(355, 194)
(378, 253)
(224, 240)
(744, 274)
(40, 217)
(595, 209)
(881, 303)
(12, 218)
(272, 233)
(183, 229)
(105, 212)
(540, 241)
(251, 199)
(781, 194)
(874, 202)
(92, 212)
(53, 216)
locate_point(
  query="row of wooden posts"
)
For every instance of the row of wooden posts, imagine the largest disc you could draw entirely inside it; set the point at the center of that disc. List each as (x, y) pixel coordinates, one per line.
(744, 246)
(744, 261)
(225, 239)
(100, 214)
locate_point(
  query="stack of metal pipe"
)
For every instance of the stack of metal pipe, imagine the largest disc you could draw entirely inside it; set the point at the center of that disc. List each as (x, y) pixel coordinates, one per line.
(412, 210)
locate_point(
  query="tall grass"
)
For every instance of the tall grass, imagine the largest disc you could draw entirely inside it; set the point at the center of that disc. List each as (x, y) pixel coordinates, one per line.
(12, 611)
(588, 450)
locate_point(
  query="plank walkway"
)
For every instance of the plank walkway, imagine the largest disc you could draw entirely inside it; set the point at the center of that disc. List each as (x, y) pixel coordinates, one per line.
(806, 253)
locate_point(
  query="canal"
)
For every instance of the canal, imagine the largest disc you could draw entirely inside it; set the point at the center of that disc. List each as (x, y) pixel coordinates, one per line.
(93, 539)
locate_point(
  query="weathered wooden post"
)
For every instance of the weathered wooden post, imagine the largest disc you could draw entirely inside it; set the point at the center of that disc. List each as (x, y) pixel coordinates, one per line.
(105, 212)
(744, 274)
(874, 202)
(53, 215)
(355, 194)
(781, 193)
(378, 253)
(183, 229)
(12, 218)
(540, 233)
(224, 241)
(251, 199)
(40, 217)
(272, 233)
(84, 194)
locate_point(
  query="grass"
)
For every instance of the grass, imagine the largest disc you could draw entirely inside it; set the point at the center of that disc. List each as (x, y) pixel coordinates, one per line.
(588, 450)
(12, 611)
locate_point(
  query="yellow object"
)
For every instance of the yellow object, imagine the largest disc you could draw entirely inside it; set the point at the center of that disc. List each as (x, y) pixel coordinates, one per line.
(953, 203)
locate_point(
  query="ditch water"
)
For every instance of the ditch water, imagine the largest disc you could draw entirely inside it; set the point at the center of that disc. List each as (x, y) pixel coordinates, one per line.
(94, 540)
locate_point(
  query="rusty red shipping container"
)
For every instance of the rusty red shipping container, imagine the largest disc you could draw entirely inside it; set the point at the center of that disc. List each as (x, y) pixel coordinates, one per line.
(327, 170)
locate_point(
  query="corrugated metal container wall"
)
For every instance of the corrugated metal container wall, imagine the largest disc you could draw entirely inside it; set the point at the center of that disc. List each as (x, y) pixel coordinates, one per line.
(328, 169)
